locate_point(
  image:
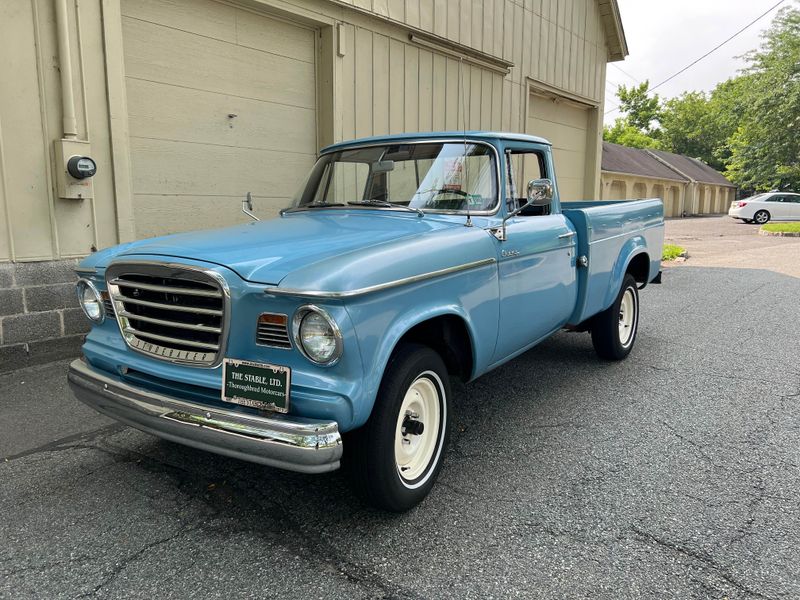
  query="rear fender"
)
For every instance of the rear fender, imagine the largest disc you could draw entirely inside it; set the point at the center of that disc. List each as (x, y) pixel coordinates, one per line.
(632, 248)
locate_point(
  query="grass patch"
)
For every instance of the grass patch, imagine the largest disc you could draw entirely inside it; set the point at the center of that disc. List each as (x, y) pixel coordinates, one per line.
(782, 227)
(671, 252)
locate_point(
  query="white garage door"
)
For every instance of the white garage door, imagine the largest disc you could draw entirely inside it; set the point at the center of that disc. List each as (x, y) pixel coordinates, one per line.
(566, 126)
(221, 101)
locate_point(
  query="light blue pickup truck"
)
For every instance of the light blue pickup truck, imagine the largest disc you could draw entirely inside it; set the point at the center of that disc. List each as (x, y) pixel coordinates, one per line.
(405, 262)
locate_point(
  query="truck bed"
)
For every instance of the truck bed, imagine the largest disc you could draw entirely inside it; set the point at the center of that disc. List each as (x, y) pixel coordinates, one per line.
(610, 235)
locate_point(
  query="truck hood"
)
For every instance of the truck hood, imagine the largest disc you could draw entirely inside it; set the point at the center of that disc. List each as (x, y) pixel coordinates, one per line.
(267, 251)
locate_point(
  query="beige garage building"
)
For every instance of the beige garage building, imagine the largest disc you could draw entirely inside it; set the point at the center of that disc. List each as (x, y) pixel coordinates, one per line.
(686, 185)
(187, 105)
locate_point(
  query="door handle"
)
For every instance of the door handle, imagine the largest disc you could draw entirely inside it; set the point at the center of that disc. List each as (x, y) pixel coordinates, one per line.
(564, 236)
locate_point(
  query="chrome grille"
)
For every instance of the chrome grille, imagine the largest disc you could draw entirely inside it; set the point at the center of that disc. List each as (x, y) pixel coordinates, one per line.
(172, 312)
(273, 331)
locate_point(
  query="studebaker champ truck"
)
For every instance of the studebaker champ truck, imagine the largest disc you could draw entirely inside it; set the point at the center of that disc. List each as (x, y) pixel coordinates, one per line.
(404, 263)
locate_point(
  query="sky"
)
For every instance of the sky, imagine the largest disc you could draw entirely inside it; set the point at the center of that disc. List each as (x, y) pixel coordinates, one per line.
(663, 37)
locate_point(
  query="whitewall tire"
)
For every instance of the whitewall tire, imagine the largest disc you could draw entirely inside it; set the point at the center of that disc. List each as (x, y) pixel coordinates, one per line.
(396, 456)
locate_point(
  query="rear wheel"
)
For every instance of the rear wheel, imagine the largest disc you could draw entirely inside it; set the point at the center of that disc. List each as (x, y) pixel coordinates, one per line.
(614, 329)
(398, 454)
(761, 217)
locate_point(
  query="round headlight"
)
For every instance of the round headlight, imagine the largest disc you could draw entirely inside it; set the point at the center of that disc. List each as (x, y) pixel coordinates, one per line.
(317, 335)
(90, 301)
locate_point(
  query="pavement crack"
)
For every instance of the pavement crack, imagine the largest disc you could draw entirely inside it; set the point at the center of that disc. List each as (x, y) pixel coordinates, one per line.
(122, 565)
(64, 443)
(752, 508)
(699, 449)
(324, 554)
(704, 559)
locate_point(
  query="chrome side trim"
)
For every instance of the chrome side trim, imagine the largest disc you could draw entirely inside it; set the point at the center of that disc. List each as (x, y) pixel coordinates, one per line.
(283, 441)
(277, 291)
(85, 270)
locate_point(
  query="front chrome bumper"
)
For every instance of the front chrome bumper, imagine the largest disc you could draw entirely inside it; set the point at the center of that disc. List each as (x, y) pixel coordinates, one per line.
(286, 442)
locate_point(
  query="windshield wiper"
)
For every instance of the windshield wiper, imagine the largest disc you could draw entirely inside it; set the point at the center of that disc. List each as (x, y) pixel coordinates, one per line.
(386, 204)
(310, 206)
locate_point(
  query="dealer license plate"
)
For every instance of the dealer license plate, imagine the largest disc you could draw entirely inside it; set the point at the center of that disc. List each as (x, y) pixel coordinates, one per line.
(256, 384)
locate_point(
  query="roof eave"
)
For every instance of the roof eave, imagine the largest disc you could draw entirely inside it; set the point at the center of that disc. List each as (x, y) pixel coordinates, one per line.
(615, 33)
(644, 176)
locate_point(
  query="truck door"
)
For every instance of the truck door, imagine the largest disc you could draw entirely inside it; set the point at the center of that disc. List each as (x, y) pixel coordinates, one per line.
(537, 273)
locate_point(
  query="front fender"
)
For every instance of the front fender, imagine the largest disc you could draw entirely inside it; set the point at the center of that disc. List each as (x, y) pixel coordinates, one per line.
(383, 319)
(400, 326)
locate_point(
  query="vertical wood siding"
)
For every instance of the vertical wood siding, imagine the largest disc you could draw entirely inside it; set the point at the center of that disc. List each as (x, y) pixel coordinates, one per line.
(34, 224)
(221, 102)
(388, 81)
(25, 197)
(384, 83)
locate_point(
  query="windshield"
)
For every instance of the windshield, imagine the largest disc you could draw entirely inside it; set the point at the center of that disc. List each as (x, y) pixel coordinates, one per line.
(428, 176)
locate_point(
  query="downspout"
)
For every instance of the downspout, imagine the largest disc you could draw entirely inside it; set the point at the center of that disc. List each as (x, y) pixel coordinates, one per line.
(70, 125)
(690, 182)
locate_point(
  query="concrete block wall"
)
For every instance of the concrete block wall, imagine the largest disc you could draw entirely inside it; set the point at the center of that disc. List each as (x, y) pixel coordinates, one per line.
(40, 319)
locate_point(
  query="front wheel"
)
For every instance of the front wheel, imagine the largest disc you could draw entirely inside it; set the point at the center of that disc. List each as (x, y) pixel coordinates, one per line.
(614, 329)
(398, 454)
(761, 217)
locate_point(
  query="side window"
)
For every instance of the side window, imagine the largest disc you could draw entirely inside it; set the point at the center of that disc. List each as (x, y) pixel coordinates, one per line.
(523, 166)
(774, 199)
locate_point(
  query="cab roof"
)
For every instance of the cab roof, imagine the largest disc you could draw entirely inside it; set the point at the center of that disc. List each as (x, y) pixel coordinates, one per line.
(434, 135)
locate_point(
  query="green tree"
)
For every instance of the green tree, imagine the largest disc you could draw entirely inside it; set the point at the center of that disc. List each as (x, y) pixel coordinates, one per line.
(642, 110)
(637, 128)
(690, 126)
(765, 147)
(625, 134)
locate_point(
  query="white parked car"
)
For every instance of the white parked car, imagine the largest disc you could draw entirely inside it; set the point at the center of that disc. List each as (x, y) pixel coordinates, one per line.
(775, 206)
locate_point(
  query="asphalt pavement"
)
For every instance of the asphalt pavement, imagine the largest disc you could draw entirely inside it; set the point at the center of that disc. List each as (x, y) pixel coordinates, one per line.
(673, 474)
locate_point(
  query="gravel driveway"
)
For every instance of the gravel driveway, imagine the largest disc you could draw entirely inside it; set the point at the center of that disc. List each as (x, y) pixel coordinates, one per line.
(725, 242)
(673, 474)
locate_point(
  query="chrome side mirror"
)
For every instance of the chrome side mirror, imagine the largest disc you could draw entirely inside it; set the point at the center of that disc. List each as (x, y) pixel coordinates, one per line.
(540, 192)
(500, 232)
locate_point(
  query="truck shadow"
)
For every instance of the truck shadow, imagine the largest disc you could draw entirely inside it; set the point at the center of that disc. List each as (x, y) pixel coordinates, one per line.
(523, 391)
